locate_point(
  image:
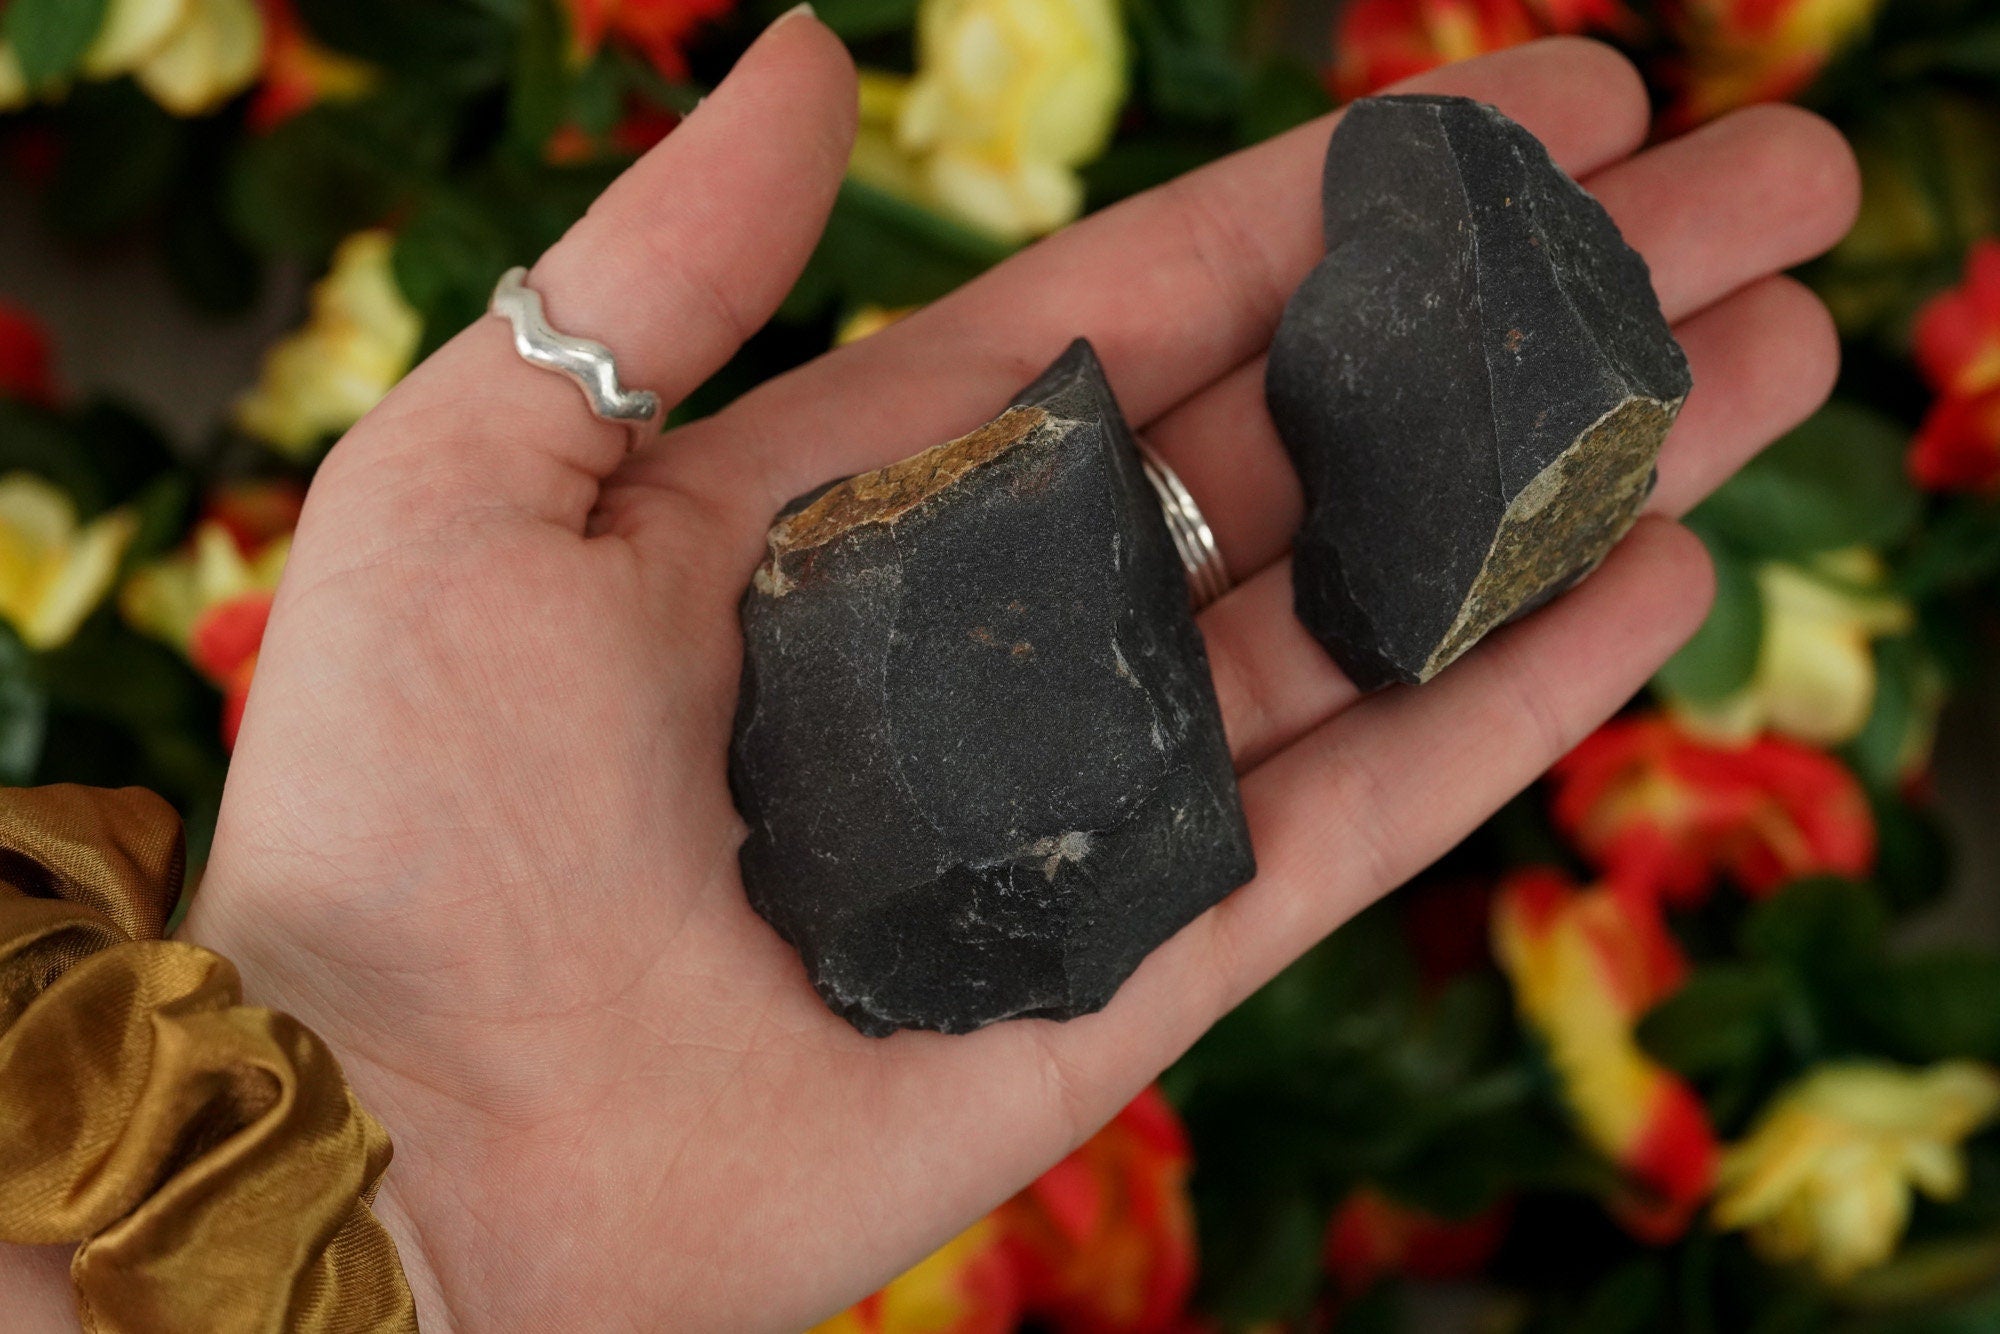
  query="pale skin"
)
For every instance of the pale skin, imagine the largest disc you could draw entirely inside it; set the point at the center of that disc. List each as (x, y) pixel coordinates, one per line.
(477, 832)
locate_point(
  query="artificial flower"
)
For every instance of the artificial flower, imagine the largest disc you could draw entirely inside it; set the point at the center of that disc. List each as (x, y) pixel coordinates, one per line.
(211, 599)
(658, 29)
(1104, 1240)
(54, 569)
(1372, 1237)
(1735, 52)
(1010, 97)
(966, 1287)
(1827, 1174)
(637, 130)
(190, 56)
(361, 339)
(1379, 42)
(1662, 811)
(27, 367)
(1585, 966)
(866, 320)
(1815, 675)
(298, 72)
(1957, 346)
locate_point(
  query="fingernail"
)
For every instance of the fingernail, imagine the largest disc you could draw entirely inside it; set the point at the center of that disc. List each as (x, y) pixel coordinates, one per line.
(804, 7)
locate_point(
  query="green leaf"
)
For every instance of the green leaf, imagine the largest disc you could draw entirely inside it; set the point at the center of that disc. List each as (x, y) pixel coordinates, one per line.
(1938, 1006)
(858, 20)
(1720, 1020)
(882, 249)
(539, 94)
(122, 155)
(1822, 926)
(1722, 656)
(24, 710)
(1285, 93)
(49, 37)
(453, 42)
(1263, 1262)
(1187, 48)
(1836, 481)
(322, 175)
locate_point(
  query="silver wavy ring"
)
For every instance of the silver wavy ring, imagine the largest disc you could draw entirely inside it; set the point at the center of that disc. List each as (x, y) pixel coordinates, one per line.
(1207, 575)
(588, 363)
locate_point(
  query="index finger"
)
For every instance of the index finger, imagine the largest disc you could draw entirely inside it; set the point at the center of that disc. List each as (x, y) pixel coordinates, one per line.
(1175, 287)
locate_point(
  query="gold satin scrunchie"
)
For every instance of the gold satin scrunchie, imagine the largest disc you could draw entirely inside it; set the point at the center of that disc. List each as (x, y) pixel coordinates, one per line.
(207, 1157)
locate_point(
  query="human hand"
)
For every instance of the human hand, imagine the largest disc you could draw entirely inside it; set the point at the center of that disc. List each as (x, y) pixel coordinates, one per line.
(478, 833)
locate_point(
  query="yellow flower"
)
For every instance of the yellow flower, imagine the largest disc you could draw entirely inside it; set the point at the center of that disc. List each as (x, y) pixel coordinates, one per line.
(1826, 1174)
(866, 320)
(360, 340)
(1815, 674)
(1009, 98)
(965, 1287)
(190, 56)
(53, 570)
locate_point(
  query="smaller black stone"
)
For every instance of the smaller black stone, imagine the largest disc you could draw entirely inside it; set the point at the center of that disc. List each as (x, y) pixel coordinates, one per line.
(977, 746)
(1473, 386)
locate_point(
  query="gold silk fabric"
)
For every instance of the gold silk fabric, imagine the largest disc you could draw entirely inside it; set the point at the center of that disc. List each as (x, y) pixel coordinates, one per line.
(206, 1157)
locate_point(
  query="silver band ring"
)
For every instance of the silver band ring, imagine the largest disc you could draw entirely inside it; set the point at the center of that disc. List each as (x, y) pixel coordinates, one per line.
(1207, 575)
(590, 364)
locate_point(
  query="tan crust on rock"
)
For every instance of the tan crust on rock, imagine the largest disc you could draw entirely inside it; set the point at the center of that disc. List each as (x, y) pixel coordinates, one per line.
(1579, 505)
(885, 495)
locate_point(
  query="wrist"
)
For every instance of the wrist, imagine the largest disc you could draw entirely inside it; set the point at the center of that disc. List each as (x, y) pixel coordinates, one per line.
(35, 1290)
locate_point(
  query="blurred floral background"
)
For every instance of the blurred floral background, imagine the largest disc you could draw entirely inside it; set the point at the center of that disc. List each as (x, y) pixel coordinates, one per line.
(1690, 1037)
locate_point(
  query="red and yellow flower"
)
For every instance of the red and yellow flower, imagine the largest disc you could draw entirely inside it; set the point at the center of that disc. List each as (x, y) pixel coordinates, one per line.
(657, 29)
(1735, 52)
(1585, 966)
(1104, 1240)
(1957, 345)
(1660, 811)
(211, 599)
(967, 1286)
(1372, 1237)
(298, 72)
(1378, 42)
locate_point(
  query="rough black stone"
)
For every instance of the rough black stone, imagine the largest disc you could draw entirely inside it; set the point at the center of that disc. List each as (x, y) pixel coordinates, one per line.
(977, 746)
(1473, 384)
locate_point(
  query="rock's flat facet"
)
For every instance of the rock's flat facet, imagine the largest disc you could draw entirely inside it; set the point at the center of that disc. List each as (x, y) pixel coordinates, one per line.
(1473, 384)
(978, 747)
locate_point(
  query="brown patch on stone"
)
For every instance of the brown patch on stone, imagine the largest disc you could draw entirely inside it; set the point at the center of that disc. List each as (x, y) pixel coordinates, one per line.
(1564, 521)
(885, 495)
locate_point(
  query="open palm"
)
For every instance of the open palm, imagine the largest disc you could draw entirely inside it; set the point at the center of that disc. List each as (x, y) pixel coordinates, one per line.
(478, 834)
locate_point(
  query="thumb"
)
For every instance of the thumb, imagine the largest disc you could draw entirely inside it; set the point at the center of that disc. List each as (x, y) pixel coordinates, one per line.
(672, 268)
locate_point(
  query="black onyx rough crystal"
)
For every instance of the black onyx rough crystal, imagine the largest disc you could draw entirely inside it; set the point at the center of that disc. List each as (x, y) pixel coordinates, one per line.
(977, 746)
(1473, 384)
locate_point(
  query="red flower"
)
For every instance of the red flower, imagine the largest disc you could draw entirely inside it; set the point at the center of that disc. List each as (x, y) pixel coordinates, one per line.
(27, 368)
(1585, 966)
(1661, 812)
(1378, 42)
(1104, 1240)
(1957, 346)
(656, 28)
(1372, 1236)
